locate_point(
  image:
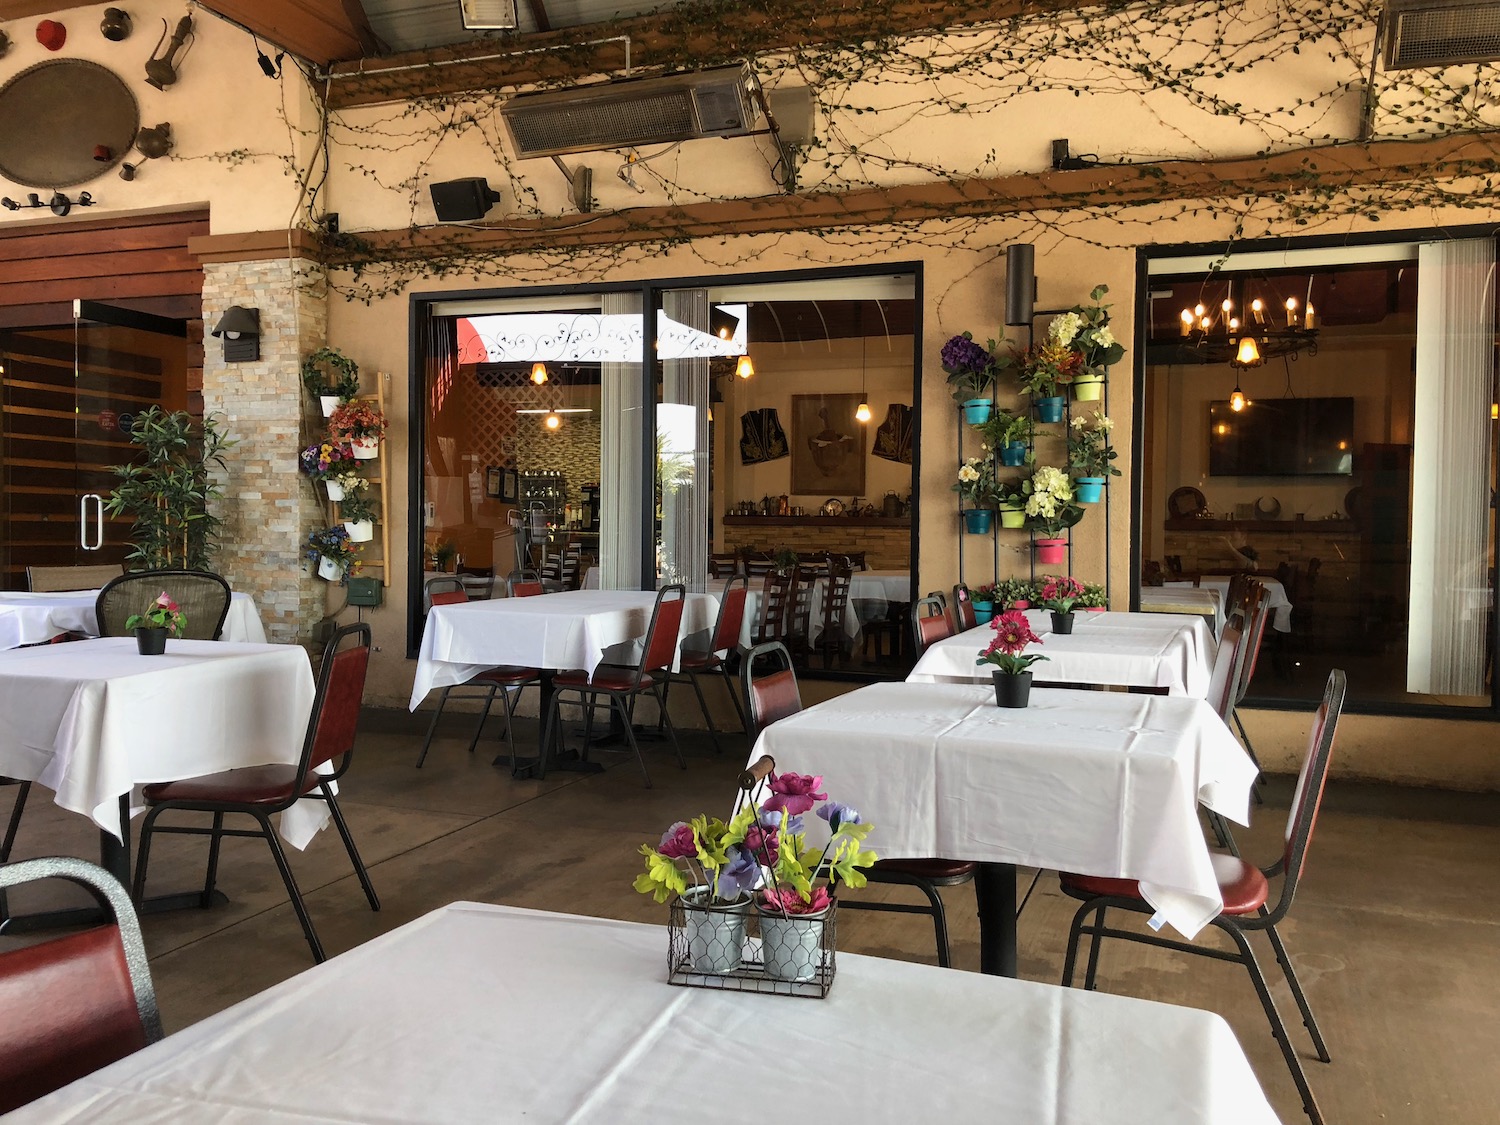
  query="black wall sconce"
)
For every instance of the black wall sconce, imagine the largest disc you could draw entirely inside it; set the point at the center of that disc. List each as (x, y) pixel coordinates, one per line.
(59, 204)
(240, 328)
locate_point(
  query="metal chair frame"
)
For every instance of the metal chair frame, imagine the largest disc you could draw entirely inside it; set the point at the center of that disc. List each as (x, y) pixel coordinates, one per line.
(725, 638)
(963, 607)
(916, 873)
(263, 811)
(1305, 805)
(930, 622)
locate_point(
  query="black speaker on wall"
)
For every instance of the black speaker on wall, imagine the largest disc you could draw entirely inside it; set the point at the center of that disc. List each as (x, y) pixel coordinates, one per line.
(458, 200)
(1020, 283)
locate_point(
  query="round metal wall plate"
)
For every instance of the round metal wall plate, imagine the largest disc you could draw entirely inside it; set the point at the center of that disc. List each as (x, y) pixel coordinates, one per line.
(56, 114)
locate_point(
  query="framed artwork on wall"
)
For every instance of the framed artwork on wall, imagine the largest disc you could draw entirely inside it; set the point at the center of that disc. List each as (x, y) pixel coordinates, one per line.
(510, 486)
(828, 445)
(492, 481)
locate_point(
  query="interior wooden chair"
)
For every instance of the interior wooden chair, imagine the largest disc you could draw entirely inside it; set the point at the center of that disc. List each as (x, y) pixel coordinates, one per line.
(775, 608)
(963, 609)
(724, 565)
(508, 679)
(263, 791)
(725, 640)
(202, 596)
(831, 609)
(51, 579)
(930, 622)
(622, 685)
(771, 694)
(1246, 892)
(73, 1004)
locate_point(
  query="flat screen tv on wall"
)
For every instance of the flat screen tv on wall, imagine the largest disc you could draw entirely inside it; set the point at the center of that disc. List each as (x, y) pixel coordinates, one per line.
(1282, 437)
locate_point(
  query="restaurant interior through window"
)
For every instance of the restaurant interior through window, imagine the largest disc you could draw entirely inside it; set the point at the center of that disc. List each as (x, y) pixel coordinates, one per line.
(784, 418)
(1325, 421)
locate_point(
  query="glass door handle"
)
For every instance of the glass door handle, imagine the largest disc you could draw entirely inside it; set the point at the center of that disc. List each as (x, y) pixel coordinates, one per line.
(83, 521)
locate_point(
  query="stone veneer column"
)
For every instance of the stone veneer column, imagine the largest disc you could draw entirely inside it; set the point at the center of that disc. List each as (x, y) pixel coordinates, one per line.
(268, 506)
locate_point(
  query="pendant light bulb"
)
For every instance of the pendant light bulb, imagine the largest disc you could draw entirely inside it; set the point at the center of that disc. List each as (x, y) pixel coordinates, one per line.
(862, 414)
(1248, 354)
(745, 368)
(1237, 399)
(539, 373)
(553, 420)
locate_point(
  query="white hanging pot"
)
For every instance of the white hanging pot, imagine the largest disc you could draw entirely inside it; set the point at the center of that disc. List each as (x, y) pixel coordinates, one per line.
(361, 531)
(330, 403)
(365, 448)
(328, 570)
(335, 489)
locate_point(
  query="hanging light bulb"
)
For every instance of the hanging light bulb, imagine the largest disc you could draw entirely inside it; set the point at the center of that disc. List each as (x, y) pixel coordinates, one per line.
(1237, 399)
(539, 373)
(1291, 311)
(553, 420)
(862, 412)
(1258, 307)
(1187, 321)
(744, 369)
(1248, 354)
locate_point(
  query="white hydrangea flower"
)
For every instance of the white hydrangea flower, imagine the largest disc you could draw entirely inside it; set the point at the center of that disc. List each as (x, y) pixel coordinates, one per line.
(1104, 337)
(1064, 328)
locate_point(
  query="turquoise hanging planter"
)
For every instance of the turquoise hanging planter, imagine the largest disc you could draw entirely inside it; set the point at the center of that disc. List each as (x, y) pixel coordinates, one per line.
(1088, 490)
(977, 521)
(1013, 454)
(1050, 409)
(977, 411)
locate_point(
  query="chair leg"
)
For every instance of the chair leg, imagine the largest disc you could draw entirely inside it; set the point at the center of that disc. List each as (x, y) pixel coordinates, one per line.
(484, 713)
(510, 699)
(22, 792)
(661, 719)
(143, 855)
(1091, 976)
(616, 701)
(1278, 1029)
(1260, 778)
(213, 861)
(672, 733)
(1075, 932)
(1308, 1021)
(939, 922)
(590, 701)
(291, 888)
(359, 866)
(1222, 833)
(432, 726)
(551, 719)
(703, 706)
(734, 697)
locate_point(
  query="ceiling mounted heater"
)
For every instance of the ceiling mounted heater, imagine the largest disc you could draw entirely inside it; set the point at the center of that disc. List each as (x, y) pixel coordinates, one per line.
(488, 15)
(633, 112)
(1429, 33)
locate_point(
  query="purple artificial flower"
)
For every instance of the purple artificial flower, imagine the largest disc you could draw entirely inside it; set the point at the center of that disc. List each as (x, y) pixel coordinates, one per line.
(838, 815)
(739, 874)
(794, 792)
(961, 354)
(678, 842)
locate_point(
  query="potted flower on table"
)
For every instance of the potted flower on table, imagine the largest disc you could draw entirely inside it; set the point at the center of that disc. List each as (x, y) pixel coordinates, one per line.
(1090, 454)
(977, 488)
(151, 628)
(361, 425)
(1060, 595)
(971, 372)
(1050, 511)
(1012, 666)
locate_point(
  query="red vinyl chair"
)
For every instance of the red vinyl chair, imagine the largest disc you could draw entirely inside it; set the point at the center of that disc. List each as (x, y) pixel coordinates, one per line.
(772, 696)
(963, 608)
(262, 791)
(1246, 893)
(695, 662)
(930, 622)
(507, 679)
(73, 1004)
(524, 585)
(622, 686)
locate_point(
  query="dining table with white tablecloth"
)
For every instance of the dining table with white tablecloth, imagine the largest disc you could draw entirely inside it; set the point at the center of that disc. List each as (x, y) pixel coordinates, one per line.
(483, 1013)
(28, 618)
(1207, 604)
(1154, 651)
(1276, 597)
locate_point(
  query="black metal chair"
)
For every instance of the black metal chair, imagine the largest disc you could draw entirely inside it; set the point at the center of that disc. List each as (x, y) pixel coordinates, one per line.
(262, 791)
(771, 694)
(930, 622)
(1246, 893)
(622, 686)
(73, 1004)
(725, 638)
(202, 596)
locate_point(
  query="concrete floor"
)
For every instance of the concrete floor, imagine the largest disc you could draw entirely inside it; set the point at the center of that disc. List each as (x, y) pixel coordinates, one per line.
(1394, 931)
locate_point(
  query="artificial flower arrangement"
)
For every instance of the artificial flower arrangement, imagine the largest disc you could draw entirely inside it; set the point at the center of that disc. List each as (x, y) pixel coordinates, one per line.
(164, 613)
(356, 420)
(976, 482)
(985, 593)
(971, 369)
(334, 545)
(325, 459)
(1049, 502)
(1059, 595)
(356, 507)
(1086, 330)
(1045, 368)
(1006, 653)
(1089, 451)
(1094, 596)
(1013, 593)
(348, 479)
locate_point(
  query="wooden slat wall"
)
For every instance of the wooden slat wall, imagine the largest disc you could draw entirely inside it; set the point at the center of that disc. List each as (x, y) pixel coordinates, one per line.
(140, 261)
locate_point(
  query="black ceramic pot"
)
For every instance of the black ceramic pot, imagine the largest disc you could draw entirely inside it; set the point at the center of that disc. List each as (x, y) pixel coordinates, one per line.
(1062, 622)
(1012, 690)
(151, 642)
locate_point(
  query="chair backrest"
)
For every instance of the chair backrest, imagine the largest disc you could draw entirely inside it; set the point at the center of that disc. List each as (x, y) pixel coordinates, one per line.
(724, 565)
(799, 615)
(930, 622)
(442, 584)
(731, 620)
(450, 597)
(478, 582)
(775, 607)
(73, 1004)
(202, 596)
(1307, 798)
(1257, 612)
(773, 695)
(46, 579)
(1151, 573)
(963, 608)
(659, 649)
(835, 599)
(1225, 677)
(524, 584)
(857, 560)
(341, 690)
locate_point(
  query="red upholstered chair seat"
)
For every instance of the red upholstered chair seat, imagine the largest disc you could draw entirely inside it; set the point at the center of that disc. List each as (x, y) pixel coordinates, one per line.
(694, 660)
(935, 870)
(606, 677)
(506, 675)
(253, 785)
(1243, 886)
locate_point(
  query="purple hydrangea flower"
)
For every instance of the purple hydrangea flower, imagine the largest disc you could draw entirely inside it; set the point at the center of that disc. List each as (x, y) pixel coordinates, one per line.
(963, 354)
(739, 874)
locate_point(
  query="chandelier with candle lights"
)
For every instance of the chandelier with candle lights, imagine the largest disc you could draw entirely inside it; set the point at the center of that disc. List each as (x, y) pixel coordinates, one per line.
(1245, 329)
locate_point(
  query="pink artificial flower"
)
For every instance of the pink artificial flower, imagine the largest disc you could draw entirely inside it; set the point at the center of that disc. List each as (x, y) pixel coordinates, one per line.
(166, 602)
(1012, 633)
(764, 844)
(678, 842)
(785, 900)
(1057, 589)
(794, 792)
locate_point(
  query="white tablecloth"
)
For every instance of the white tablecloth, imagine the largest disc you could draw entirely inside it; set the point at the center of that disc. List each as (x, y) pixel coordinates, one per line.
(1150, 650)
(30, 618)
(94, 720)
(478, 1013)
(567, 630)
(1208, 604)
(1101, 783)
(1276, 599)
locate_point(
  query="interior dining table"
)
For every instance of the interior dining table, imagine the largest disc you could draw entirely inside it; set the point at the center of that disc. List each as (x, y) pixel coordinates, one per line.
(483, 1013)
(1151, 651)
(1277, 600)
(1099, 783)
(94, 721)
(29, 618)
(1207, 604)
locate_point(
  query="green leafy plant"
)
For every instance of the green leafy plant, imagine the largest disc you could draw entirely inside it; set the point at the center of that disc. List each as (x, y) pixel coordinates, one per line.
(1089, 451)
(1009, 591)
(1004, 427)
(976, 482)
(1094, 596)
(356, 507)
(444, 553)
(164, 613)
(329, 371)
(169, 491)
(785, 558)
(1086, 330)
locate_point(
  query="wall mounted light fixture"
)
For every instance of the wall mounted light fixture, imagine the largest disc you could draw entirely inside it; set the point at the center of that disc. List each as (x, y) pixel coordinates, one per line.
(59, 204)
(539, 373)
(745, 368)
(240, 328)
